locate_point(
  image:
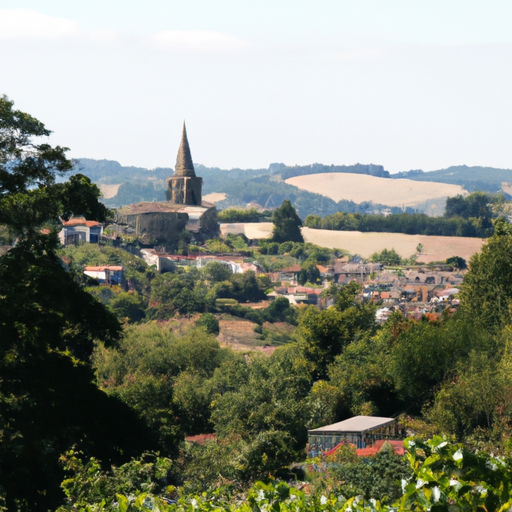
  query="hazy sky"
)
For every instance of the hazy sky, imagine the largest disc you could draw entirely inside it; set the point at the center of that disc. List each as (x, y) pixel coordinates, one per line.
(405, 84)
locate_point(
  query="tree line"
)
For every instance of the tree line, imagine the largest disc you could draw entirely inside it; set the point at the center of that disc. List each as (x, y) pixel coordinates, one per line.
(469, 216)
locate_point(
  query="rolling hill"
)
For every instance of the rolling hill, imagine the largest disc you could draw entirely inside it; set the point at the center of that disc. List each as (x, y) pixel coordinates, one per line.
(398, 193)
(269, 187)
(485, 179)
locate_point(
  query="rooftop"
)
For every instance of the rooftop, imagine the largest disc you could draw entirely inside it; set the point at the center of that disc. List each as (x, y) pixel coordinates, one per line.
(101, 268)
(293, 268)
(80, 221)
(163, 207)
(355, 424)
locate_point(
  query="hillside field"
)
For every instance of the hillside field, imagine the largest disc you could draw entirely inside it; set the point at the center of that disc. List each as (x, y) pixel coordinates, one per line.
(435, 248)
(361, 187)
(109, 191)
(214, 197)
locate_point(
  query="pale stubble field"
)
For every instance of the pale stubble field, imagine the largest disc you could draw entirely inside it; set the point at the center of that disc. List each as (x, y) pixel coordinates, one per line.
(361, 187)
(435, 248)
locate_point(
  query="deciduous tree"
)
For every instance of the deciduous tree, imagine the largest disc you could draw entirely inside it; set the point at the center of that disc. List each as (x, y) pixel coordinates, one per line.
(48, 325)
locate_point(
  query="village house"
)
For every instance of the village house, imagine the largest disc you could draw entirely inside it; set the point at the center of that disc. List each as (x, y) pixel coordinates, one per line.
(289, 274)
(107, 274)
(297, 294)
(326, 272)
(168, 262)
(355, 271)
(79, 230)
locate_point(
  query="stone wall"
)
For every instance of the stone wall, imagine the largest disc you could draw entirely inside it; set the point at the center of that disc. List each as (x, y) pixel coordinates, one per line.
(184, 190)
(163, 227)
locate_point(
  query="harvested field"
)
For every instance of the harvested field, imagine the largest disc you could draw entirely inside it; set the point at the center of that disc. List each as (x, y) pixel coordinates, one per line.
(435, 248)
(362, 187)
(252, 230)
(214, 197)
(507, 188)
(109, 191)
(239, 335)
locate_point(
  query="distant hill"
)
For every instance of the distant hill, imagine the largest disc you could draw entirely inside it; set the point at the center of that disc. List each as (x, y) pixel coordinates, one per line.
(428, 198)
(110, 172)
(267, 187)
(264, 187)
(485, 179)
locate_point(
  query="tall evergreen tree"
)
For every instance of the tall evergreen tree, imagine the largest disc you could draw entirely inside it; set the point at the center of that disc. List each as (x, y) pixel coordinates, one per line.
(287, 224)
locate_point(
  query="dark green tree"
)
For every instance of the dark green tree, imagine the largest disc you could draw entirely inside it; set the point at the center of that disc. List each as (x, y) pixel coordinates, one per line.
(209, 322)
(456, 262)
(323, 335)
(80, 197)
(425, 354)
(375, 477)
(128, 305)
(487, 292)
(287, 224)
(217, 272)
(386, 257)
(267, 409)
(309, 272)
(246, 287)
(48, 326)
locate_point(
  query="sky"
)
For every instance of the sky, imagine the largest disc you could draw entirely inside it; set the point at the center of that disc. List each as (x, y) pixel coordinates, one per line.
(406, 84)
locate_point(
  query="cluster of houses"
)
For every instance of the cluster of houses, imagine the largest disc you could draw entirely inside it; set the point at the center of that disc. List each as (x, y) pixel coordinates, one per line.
(414, 292)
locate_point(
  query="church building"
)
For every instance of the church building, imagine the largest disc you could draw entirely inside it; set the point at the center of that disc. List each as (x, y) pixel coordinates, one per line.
(164, 223)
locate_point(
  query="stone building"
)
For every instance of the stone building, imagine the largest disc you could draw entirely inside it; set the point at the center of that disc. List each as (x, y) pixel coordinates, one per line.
(165, 222)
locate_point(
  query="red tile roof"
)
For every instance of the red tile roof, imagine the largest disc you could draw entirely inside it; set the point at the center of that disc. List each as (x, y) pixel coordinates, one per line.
(80, 221)
(293, 268)
(103, 267)
(201, 438)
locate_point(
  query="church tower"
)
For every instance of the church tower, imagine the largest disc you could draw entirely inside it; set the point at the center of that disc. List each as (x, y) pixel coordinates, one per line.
(184, 187)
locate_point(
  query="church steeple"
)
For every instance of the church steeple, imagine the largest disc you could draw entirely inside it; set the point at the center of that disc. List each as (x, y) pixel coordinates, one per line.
(184, 187)
(184, 164)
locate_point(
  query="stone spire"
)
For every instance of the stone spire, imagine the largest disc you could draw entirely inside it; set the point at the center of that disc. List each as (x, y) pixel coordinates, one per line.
(184, 165)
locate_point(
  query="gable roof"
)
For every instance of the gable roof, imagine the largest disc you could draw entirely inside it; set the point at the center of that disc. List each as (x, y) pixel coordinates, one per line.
(293, 268)
(358, 424)
(80, 221)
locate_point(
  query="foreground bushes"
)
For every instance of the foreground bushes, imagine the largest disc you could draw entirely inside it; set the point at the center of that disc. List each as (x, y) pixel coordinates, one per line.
(446, 477)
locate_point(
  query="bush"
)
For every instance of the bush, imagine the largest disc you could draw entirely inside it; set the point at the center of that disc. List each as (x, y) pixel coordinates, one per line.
(225, 302)
(209, 322)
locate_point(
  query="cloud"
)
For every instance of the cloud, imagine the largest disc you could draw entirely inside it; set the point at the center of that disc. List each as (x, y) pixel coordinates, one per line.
(203, 40)
(29, 24)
